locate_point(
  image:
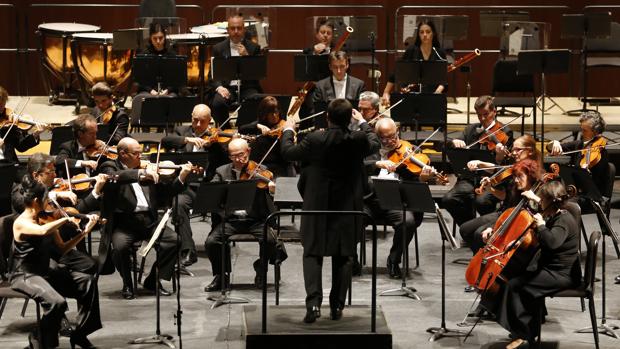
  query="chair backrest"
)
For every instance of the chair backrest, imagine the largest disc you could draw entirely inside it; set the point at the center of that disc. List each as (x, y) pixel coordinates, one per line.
(6, 240)
(590, 268)
(8, 173)
(611, 175)
(610, 44)
(505, 78)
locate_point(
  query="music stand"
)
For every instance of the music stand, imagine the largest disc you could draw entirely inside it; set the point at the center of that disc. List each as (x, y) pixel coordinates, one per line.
(421, 72)
(459, 157)
(492, 22)
(155, 70)
(543, 62)
(581, 179)
(128, 39)
(229, 197)
(162, 111)
(239, 68)
(311, 67)
(403, 196)
(585, 26)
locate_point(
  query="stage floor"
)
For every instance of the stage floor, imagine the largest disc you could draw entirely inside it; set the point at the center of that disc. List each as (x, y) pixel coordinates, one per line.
(407, 319)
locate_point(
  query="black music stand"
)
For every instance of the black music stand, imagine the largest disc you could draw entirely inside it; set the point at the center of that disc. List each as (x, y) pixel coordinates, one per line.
(582, 181)
(239, 68)
(459, 157)
(213, 197)
(585, 26)
(311, 67)
(154, 70)
(543, 62)
(421, 72)
(403, 196)
(163, 111)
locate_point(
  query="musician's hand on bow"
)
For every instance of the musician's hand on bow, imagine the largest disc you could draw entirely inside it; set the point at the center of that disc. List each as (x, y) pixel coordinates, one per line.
(272, 187)
(223, 91)
(457, 143)
(196, 141)
(486, 234)
(90, 164)
(556, 148)
(100, 182)
(92, 221)
(473, 164)
(501, 149)
(387, 165)
(263, 129)
(385, 100)
(531, 196)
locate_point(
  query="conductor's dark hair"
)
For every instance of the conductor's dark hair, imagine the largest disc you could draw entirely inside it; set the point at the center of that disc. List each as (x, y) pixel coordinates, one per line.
(339, 112)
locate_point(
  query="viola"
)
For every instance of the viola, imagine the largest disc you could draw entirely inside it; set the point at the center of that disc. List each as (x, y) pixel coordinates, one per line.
(591, 155)
(79, 183)
(493, 135)
(167, 168)
(213, 135)
(509, 249)
(99, 148)
(496, 179)
(414, 162)
(255, 171)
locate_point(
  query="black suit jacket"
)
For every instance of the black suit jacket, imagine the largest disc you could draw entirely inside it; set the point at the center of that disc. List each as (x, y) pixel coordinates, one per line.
(274, 161)
(222, 49)
(325, 92)
(69, 151)
(332, 177)
(16, 140)
(119, 118)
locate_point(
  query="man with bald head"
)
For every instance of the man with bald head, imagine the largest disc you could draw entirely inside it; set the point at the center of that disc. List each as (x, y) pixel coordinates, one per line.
(223, 93)
(190, 139)
(240, 221)
(130, 205)
(387, 131)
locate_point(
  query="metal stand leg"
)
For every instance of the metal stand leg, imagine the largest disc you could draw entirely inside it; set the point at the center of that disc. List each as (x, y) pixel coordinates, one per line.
(223, 298)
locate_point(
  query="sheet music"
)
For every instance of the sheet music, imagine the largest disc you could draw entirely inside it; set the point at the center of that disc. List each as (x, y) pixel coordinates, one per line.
(514, 42)
(409, 27)
(146, 247)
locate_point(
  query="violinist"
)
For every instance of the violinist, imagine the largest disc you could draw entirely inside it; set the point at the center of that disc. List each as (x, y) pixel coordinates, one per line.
(194, 138)
(76, 151)
(241, 221)
(425, 48)
(223, 93)
(36, 275)
(130, 205)
(12, 138)
(460, 201)
(517, 305)
(340, 84)
(268, 126)
(323, 35)
(106, 112)
(368, 106)
(332, 177)
(592, 126)
(388, 135)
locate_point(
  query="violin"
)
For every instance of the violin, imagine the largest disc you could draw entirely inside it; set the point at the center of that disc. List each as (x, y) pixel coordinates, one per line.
(107, 114)
(23, 122)
(255, 171)
(167, 168)
(591, 155)
(414, 162)
(496, 179)
(79, 183)
(490, 137)
(213, 135)
(513, 235)
(276, 130)
(99, 148)
(53, 213)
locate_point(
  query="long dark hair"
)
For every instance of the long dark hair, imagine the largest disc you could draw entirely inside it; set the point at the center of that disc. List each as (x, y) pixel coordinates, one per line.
(154, 28)
(435, 38)
(32, 190)
(267, 105)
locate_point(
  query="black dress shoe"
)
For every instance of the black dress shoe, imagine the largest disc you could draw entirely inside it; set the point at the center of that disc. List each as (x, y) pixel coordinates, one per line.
(127, 292)
(81, 341)
(150, 286)
(66, 330)
(335, 313)
(617, 279)
(189, 258)
(258, 279)
(312, 314)
(356, 269)
(393, 270)
(216, 284)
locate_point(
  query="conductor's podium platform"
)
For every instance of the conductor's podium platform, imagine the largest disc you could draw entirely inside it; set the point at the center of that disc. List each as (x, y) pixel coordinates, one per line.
(286, 329)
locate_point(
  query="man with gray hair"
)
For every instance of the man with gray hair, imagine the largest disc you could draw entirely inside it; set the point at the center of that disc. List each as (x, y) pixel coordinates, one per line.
(368, 106)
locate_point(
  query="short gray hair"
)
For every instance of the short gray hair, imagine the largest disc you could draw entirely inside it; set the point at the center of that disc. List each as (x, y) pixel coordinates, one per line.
(372, 97)
(595, 120)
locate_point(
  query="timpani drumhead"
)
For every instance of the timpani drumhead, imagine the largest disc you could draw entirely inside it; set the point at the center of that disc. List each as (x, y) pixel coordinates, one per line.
(66, 27)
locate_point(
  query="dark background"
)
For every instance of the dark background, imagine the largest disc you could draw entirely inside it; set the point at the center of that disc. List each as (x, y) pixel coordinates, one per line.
(20, 71)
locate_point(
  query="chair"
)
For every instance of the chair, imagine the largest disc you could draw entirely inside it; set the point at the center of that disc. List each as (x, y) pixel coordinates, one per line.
(506, 80)
(585, 289)
(606, 46)
(8, 173)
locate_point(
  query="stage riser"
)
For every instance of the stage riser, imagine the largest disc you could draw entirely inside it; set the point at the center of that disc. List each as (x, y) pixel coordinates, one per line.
(323, 341)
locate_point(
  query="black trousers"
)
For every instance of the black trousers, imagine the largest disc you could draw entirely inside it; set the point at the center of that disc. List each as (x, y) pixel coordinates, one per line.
(50, 291)
(471, 231)
(395, 219)
(220, 105)
(462, 203)
(221, 233)
(341, 279)
(186, 200)
(138, 229)
(78, 261)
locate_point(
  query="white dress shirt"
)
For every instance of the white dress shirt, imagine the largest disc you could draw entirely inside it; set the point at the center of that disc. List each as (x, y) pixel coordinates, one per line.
(340, 86)
(234, 53)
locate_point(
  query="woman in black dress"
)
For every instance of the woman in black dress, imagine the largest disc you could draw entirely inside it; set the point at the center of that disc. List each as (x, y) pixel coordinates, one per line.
(518, 303)
(37, 276)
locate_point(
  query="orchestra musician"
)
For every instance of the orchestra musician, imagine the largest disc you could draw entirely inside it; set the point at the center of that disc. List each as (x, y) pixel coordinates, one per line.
(368, 106)
(388, 135)
(106, 112)
(460, 201)
(130, 205)
(518, 303)
(324, 34)
(331, 179)
(241, 221)
(76, 151)
(15, 138)
(425, 48)
(340, 84)
(39, 277)
(224, 92)
(194, 138)
(268, 127)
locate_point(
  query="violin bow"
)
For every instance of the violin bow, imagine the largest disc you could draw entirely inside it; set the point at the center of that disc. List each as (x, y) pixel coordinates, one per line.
(264, 157)
(16, 119)
(595, 147)
(373, 120)
(493, 168)
(63, 212)
(494, 132)
(68, 175)
(105, 148)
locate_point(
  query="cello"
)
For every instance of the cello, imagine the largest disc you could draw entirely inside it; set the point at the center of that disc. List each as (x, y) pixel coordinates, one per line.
(509, 249)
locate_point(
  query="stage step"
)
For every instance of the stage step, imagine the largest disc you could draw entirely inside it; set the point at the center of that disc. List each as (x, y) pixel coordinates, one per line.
(285, 328)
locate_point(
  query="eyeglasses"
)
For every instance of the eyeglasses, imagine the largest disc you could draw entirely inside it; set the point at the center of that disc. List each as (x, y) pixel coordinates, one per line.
(237, 156)
(388, 138)
(517, 149)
